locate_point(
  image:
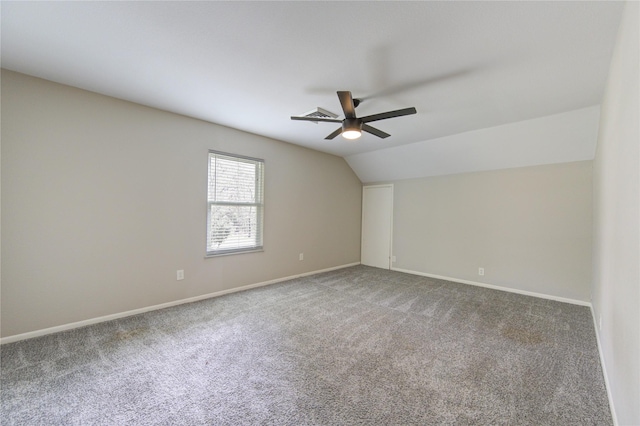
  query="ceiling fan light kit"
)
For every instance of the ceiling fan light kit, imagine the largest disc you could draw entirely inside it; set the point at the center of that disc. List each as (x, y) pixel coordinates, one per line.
(352, 126)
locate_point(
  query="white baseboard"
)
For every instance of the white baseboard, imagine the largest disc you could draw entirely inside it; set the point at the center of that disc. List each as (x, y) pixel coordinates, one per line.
(495, 287)
(604, 368)
(70, 326)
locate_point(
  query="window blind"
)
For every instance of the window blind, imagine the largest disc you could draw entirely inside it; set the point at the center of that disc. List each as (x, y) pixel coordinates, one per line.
(235, 203)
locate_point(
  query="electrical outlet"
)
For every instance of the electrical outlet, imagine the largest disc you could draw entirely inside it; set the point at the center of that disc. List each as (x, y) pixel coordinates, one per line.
(600, 322)
(301, 256)
(480, 271)
(180, 274)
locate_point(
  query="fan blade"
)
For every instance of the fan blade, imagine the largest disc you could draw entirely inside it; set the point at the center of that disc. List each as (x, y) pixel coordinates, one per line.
(329, 120)
(374, 131)
(389, 114)
(334, 134)
(411, 85)
(347, 104)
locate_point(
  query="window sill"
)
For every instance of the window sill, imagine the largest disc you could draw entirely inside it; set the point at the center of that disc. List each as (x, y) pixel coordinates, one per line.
(234, 253)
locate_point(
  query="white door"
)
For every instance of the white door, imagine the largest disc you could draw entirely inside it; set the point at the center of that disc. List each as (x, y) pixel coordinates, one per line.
(377, 217)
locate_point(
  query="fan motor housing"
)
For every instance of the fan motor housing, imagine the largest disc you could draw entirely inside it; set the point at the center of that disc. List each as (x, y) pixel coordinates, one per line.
(351, 124)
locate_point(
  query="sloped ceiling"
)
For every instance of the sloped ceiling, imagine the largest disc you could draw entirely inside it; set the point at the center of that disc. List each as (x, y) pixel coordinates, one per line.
(465, 66)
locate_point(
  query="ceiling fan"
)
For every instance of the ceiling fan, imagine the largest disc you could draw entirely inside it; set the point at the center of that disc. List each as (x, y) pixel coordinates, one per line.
(353, 126)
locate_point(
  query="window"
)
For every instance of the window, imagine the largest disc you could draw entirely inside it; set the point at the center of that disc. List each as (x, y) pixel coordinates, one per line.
(235, 204)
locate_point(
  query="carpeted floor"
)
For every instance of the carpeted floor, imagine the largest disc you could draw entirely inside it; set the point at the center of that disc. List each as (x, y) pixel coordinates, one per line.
(353, 346)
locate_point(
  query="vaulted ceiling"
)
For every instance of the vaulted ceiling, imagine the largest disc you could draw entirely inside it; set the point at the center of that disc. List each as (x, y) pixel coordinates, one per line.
(465, 66)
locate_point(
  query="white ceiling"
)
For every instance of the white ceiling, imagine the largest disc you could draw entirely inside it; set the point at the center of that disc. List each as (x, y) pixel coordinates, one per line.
(251, 65)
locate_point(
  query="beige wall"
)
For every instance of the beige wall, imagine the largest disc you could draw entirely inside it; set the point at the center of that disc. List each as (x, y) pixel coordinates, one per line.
(103, 200)
(530, 228)
(616, 256)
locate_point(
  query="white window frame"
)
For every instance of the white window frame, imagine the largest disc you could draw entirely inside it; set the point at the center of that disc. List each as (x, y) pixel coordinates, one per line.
(256, 243)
